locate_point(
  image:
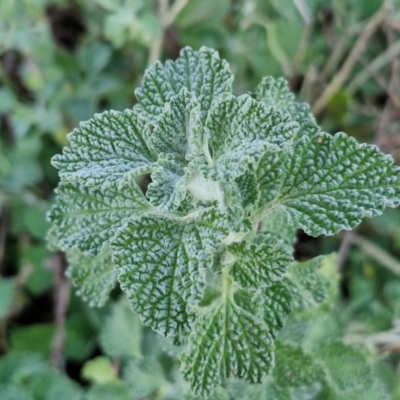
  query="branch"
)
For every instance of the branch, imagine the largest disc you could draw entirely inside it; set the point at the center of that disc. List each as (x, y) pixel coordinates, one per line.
(377, 253)
(61, 299)
(340, 78)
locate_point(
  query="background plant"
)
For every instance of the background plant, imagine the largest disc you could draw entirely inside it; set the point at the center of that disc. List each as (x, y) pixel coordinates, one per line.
(54, 78)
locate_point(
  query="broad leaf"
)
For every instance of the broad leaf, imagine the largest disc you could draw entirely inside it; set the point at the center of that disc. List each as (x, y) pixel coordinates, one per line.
(106, 150)
(330, 183)
(88, 217)
(201, 72)
(121, 332)
(161, 265)
(93, 276)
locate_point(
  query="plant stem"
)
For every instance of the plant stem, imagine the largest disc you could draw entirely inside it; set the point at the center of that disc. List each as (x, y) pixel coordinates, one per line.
(61, 299)
(379, 62)
(377, 253)
(342, 75)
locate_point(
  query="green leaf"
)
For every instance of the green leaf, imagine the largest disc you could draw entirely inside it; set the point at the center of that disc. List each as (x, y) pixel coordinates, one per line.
(258, 265)
(13, 392)
(247, 186)
(309, 287)
(161, 265)
(178, 130)
(143, 377)
(295, 368)
(169, 184)
(218, 394)
(87, 217)
(277, 223)
(93, 276)
(7, 292)
(276, 93)
(201, 72)
(234, 120)
(121, 332)
(331, 183)
(349, 374)
(109, 391)
(226, 341)
(99, 370)
(108, 149)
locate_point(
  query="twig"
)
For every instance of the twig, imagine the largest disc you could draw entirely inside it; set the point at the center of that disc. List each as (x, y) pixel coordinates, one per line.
(167, 16)
(379, 62)
(344, 249)
(377, 253)
(338, 52)
(61, 299)
(342, 75)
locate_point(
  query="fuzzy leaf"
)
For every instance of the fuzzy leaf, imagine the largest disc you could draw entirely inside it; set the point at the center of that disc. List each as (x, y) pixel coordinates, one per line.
(179, 130)
(235, 162)
(331, 183)
(143, 377)
(169, 185)
(161, 266)
(248, 191)
(226, 341)
(258, 265)
(349, 374)
(106, 150)
(277, 223)
(308, 286)
(202, 72)
(234, 120)
(276, 93)
(121, 332)
(295, 368)
(88, 217)
(93, 276)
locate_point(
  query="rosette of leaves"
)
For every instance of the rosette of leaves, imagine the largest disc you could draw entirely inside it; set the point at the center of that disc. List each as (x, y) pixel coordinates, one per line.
(202, 252)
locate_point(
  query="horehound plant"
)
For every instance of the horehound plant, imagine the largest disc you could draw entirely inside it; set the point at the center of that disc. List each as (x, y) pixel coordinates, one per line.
(203, 253)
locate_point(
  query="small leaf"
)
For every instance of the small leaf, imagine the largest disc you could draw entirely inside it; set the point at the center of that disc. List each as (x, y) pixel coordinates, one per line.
(121, 332)
(295, 368)
(169, 184)
(308, 286)
(201, 72)
(143, 377)
(108, 391)
(88, 217)
(276, 93)
(277, 223)
(99, 370)
(235, 120)
(349, 374)
(226, 341)
(93, 276)
(178, 130)
(107, 149)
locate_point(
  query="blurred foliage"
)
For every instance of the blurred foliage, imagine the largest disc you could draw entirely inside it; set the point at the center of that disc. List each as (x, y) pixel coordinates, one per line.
(62, 61)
